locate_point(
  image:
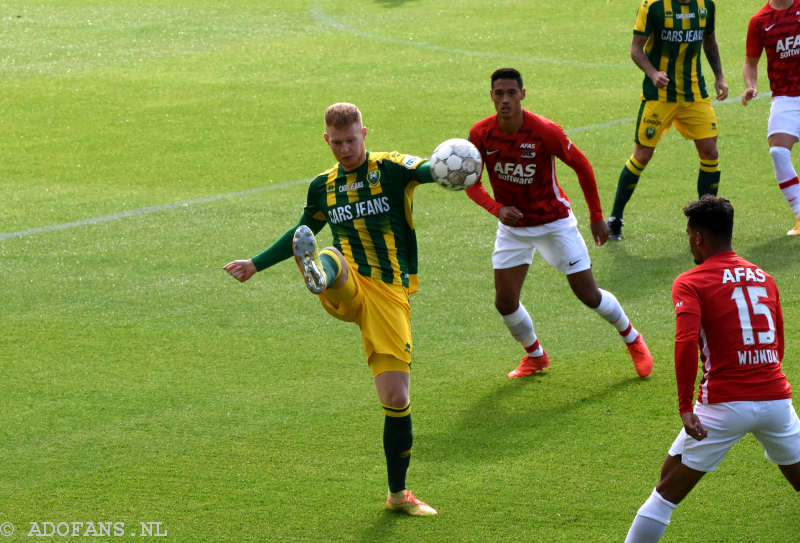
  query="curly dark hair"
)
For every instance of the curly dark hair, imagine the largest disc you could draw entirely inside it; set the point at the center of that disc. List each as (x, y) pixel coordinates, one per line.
(712, 216)
(507, 73)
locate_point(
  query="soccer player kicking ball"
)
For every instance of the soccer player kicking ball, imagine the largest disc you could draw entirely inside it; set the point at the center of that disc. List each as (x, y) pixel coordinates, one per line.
(368, 274)
(519, 150)
(667, 38)
(731, 309)
(776, 28)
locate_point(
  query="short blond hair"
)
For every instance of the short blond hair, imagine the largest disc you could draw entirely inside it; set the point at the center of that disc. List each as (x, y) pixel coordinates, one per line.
(342, 115)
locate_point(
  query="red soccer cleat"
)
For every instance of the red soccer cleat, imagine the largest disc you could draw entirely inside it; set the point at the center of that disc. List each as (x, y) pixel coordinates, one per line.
(410, 505)
(530, 365)
(642, 360)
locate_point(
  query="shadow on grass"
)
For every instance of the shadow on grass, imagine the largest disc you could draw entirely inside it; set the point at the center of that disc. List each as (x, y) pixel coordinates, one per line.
(393, 3)
(381, 526)
(496, 421)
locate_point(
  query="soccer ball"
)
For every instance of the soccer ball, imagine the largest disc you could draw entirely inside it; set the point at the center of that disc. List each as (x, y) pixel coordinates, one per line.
(456, 164)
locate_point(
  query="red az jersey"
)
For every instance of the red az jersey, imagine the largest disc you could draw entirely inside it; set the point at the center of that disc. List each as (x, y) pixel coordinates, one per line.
(732, 310)
(522, 170)
(778, 31)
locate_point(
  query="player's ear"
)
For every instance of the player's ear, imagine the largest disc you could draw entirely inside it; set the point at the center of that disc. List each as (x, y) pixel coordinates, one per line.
(522, 94)
(327, 138)
(364, 132)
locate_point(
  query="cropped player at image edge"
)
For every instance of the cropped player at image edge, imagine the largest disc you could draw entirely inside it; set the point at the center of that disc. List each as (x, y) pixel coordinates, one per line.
(730, 309)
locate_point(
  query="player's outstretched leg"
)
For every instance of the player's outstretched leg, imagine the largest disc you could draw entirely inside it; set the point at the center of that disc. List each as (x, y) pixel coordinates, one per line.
(319, 270)
(611, 310)
(606, 305)
(628, 180)
(787, 181)
(520, 325)
(651, 520)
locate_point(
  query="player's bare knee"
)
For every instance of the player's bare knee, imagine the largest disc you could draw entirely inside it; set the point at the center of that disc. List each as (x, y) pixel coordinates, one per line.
(506, 305)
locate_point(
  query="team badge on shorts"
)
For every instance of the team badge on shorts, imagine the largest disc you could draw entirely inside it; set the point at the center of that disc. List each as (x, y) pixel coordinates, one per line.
(650, 132)
(703, 13)
(374, 177)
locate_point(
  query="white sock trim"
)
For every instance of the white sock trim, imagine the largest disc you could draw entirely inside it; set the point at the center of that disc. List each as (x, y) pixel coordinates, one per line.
(657, 508)
(782, 164)
(520, 325)
(516, 317)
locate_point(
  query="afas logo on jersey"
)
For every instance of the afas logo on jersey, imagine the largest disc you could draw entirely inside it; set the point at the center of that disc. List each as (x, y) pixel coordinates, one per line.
(527, 146)
(788, 47)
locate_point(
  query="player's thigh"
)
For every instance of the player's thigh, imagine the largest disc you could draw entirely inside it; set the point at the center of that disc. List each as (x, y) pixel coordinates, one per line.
(784, 116)
(696, 120)
(564, 249)
(778, 431)
(727, 424)
(511, 249)
(653, 120)
(386, 326)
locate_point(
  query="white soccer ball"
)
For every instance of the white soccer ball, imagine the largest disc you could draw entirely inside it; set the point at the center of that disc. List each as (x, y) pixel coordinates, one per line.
(456, 164)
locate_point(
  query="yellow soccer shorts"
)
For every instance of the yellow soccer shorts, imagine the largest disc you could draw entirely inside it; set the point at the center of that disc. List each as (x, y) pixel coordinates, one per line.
(694, 120)
(382, 313)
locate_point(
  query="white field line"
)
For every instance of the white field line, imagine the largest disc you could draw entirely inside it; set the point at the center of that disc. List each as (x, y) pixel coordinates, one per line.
(323, 18)
(151, 209)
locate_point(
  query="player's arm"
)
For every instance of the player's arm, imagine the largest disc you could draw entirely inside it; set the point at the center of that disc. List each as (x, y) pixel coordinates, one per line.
(752, 55)
(560, 145)
(508, 215)
(711, 49)
(639, 58)
(642, 30)
(687, 330)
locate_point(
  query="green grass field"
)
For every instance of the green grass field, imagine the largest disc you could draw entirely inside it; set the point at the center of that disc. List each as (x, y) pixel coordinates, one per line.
(140, 383)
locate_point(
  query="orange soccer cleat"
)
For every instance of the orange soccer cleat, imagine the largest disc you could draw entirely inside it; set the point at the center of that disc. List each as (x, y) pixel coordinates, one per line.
(530, 365)
(642, 360)
(410, 505)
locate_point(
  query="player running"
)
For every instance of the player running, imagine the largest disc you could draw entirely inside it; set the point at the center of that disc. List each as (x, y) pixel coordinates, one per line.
(367, 275)
(731, 309)
(519, 150)
(776, 28)
(667, 38)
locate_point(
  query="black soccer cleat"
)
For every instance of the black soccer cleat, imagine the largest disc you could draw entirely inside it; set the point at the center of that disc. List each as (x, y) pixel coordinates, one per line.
(614, 229)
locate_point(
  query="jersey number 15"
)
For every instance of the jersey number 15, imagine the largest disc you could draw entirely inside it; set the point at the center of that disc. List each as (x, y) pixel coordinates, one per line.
(754, 293)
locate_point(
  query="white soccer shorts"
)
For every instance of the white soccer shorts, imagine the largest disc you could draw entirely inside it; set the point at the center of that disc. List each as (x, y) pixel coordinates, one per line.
(559, 243)
(784, 116)
(773, 423)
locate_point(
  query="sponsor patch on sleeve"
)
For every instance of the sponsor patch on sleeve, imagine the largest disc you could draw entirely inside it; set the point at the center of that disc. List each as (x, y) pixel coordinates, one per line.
(410, 162)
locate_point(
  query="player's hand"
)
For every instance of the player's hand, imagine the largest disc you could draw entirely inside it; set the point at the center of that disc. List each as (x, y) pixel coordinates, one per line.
(659, 79)
(241, 269)
(599, 232)
(722, 88)
(693, 427)
(748, 95)
(509, 215)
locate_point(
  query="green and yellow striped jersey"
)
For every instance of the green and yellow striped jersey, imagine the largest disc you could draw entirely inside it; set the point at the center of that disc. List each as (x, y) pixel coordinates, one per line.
(675, 38)
(369, 212)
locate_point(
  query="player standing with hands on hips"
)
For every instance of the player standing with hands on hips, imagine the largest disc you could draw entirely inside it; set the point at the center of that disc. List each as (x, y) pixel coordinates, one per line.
(367, 276)
(776, 28)
(731, 309)
(667, 38)
(519, 150)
